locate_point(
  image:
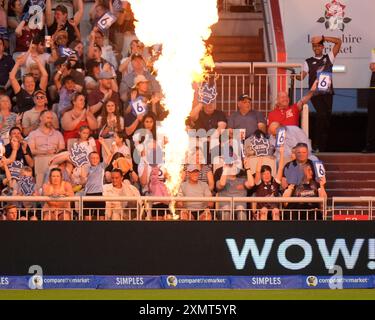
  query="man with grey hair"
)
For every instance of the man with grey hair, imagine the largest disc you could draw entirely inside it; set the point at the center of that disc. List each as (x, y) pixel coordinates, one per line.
(285, 114)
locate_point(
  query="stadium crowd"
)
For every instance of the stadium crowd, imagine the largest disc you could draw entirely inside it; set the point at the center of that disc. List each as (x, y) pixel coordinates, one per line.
(82, 120)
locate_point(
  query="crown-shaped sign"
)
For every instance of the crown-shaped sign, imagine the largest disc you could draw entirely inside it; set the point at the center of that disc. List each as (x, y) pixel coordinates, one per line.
(261, 146)
(27, 185)
(207, 94)
(78, 155)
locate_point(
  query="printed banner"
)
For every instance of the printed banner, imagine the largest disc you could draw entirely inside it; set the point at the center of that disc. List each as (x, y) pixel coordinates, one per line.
(338, 282)
(129, 282)
(266, 282)
(195, 282)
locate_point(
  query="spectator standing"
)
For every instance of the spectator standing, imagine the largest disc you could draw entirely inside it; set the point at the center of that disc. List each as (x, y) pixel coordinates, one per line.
(323, 101)
(44, 143)
(8, 119)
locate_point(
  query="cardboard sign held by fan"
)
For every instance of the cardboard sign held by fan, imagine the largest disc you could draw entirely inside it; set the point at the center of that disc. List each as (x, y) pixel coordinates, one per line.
(207, 94)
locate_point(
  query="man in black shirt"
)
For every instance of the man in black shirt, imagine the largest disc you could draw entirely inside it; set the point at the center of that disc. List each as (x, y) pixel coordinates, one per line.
(17, 149)
(59, 21)
(322, 100)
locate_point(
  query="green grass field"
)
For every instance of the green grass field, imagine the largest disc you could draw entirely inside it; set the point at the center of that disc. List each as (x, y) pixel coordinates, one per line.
(347, 294)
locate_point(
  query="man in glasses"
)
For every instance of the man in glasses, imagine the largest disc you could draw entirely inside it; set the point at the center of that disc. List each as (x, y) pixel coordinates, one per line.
(319, 68)
(31, 118)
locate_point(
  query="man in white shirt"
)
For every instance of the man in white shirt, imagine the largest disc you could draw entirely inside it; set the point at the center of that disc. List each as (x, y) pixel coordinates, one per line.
(116, 210)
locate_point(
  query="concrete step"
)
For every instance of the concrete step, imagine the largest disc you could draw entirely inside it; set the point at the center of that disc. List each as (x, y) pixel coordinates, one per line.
(346, 158)
(365, 166)
(341, 184)
(347, 192)
(351, 175)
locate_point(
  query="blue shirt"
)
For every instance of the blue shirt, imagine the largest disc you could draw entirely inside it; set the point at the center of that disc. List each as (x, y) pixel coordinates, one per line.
(95, 178)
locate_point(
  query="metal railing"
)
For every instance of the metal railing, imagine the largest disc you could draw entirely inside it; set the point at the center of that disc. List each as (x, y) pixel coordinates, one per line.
(263, 80)
(166, 208)
(352, 208)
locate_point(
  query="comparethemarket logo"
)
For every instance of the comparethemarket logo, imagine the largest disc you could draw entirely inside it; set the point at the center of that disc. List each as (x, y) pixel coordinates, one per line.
(312, 281)
(172, 281)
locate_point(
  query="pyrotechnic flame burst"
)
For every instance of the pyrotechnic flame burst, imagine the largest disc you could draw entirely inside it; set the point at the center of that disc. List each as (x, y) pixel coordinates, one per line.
(181, 28)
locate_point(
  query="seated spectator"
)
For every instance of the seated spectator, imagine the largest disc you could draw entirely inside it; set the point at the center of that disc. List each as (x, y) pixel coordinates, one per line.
(107, 91)
(285, 114)
(308, 187)
(76, 117)
(293, 171)
(119, 145)
(116, 210)
(57, 188)
(44, 142)
(151, 100)
(24, 93)
(60, 21)
(125, 164)
(10, 213)
(205, 170)
(193, 187)
(246, 118)
(17, 149)
(110, 121)
(232, 183)
(8, 119)
(31, 118)
(293, 136)
(6, 64)
(92, 76)
(139, 68)
(207, 117)
(267, 186)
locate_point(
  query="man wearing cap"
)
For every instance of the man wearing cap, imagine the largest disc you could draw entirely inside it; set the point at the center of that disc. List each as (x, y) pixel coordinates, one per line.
(31, 118)
(193, 187)
(59, 21)
(245, 118)
(285, 114)
(106, 91)
(139, 68)
(323, 101)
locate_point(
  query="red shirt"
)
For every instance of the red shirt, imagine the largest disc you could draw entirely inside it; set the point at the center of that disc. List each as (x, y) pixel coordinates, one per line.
(286, 117)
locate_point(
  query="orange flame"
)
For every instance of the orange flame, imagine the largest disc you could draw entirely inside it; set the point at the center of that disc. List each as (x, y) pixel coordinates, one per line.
(181, 27)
